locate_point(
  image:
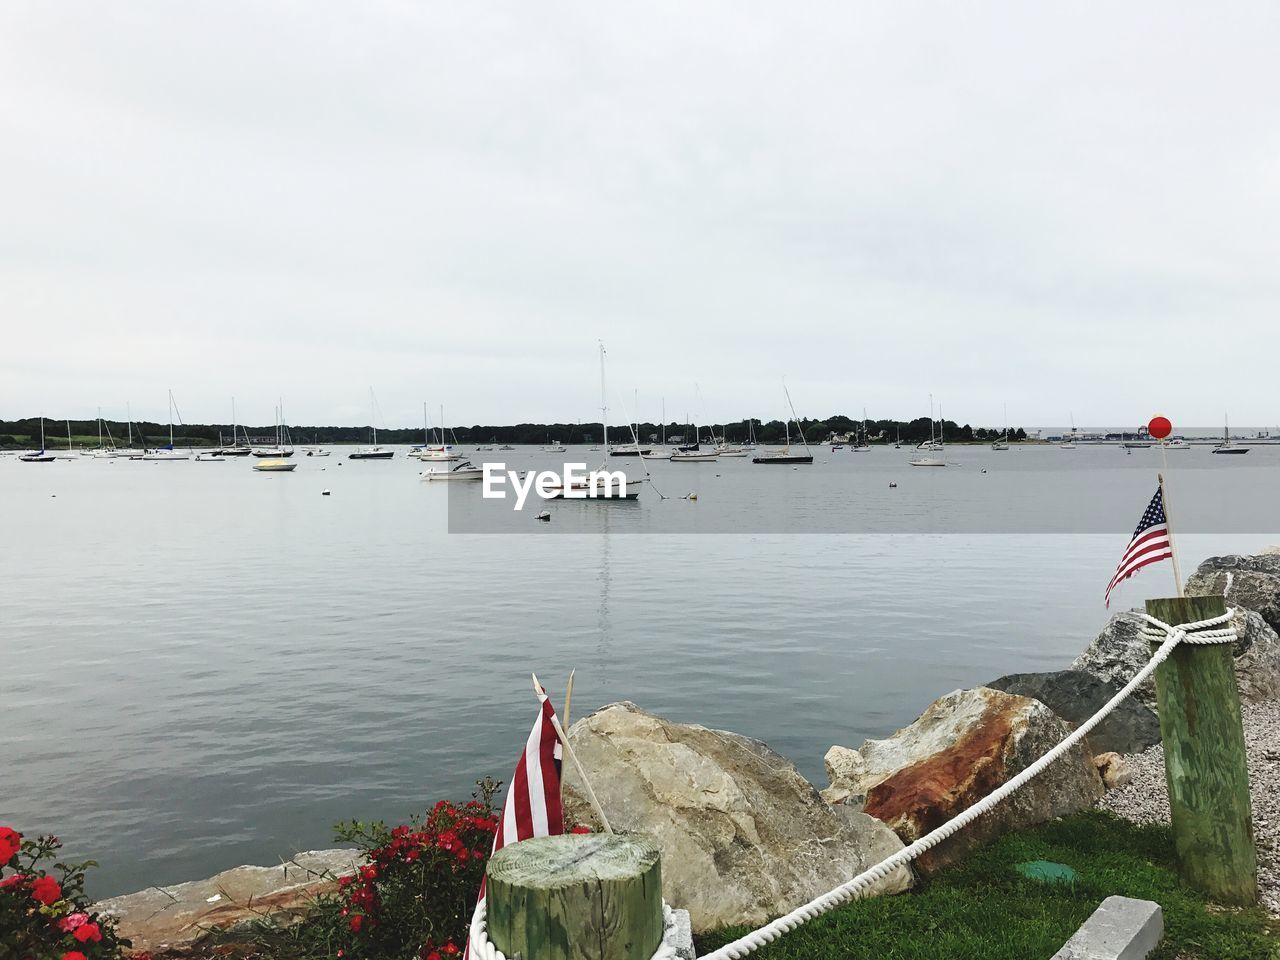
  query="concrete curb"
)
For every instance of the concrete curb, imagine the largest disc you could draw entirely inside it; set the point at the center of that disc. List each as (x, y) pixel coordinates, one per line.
(1120, 929)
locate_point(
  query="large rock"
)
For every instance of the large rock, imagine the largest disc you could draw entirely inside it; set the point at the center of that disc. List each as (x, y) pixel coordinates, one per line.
(1120, 651)
(743, 836)
(173, 918)
(1255, 583)
(962, 747)
(1076, 695)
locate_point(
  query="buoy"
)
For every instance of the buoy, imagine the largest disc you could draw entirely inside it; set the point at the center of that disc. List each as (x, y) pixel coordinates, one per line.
(984, 469)
(892, 484)
(324, 492)
(544, 516)
(693, 496)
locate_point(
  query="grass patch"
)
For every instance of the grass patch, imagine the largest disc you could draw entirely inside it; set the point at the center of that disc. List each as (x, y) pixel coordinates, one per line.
(984, 908)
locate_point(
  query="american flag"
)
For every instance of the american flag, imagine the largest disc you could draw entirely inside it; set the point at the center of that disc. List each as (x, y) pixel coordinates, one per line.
(532, 805)
(1150, 543)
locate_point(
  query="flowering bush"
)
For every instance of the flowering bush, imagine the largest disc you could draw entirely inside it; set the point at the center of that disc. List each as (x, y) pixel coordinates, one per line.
(43, 916)
(413, 896)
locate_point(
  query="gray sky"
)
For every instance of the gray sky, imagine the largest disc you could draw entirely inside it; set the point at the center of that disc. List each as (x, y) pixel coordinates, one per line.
(1067, 209)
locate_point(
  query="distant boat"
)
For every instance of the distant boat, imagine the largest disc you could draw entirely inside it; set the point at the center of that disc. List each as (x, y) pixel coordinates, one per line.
(862, 445)
(555, 447)
(210, 456)
(1003, 443)
(373, 452)
(1226, 446)
(628, 450)
(284, 443)
(785, 456)
(441, 452)
(38, 456)
(1070, 442)
(1178, 444)
(931, 444)
(506, 446)
(275, 466)
(236, 449)
(166, 453)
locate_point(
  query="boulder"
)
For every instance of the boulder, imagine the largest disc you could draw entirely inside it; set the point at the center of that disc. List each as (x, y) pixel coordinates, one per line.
(1120, 651)
(1076, 695)
(1255, 584)
(1114, 770)
(743, 836)
(962, 747)
(173, 918)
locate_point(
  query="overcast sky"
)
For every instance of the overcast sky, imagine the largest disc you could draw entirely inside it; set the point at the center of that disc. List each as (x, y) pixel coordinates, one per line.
(1073, 210)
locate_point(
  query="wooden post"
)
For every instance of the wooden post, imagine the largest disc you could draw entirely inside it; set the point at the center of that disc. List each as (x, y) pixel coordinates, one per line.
(1204, 759)
(576, 897)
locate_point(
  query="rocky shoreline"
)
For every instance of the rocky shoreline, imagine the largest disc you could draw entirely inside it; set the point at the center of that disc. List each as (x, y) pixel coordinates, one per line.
(744, 837)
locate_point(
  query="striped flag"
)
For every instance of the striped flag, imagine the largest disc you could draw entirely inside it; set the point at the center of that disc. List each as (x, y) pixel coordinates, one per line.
(532, 805)
(1150, 543)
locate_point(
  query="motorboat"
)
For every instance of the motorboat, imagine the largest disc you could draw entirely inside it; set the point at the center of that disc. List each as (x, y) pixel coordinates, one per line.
(463, 471)
(279, 465)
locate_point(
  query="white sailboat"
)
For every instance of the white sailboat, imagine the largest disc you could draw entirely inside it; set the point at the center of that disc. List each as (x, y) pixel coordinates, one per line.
(283, 447)
(630, 489)
(862, 445)
(1226, 446)
(785, 456)
(1070, 442)
(441, 452)
(931, 445)
(236, 449)
(1003, 443)
(166, 454)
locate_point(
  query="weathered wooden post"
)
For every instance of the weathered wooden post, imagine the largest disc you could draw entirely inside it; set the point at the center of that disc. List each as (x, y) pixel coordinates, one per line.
(1204, 759)
(576, 897)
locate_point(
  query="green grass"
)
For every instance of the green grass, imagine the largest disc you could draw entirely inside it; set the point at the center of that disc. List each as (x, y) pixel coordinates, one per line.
(982, 908)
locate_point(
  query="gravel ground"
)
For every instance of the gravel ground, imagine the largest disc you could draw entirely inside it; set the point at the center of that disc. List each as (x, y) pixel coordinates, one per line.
(1146, 799)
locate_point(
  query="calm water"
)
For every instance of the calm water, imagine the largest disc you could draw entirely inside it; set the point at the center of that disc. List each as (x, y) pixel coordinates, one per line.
(203, 666)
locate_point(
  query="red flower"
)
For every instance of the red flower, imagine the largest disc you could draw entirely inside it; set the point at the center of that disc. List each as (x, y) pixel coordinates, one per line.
(46, 890)
(74, 955)
(12, 880)
(450, 948)
(433, 955)
(356, 923)
(10, 844)
(87, 932)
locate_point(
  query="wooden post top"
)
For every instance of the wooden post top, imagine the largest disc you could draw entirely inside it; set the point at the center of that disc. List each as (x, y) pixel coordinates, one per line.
(549, 863)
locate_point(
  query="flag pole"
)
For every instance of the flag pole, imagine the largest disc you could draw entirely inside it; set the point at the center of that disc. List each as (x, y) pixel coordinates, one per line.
(1168, 524)
(568, 697)
(573, 757)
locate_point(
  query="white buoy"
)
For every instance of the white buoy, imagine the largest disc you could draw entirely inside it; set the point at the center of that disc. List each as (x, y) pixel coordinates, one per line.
(324, 492)
(693, 496)
(892, 484)
(544, 516)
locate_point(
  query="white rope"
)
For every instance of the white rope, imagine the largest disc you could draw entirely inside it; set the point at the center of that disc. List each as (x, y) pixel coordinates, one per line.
(1213, 630)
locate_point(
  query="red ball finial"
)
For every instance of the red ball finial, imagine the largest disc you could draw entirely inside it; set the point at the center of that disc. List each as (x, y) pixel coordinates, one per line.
(1159, 427)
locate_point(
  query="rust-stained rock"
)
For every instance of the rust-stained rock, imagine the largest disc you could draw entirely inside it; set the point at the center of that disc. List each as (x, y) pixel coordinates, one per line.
(962, 747)
(172, 918)
(1114, 770)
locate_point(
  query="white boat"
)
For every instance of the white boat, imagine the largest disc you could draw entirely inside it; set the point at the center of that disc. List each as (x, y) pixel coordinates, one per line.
(278, 465)
(1226, 446)
(1178, 444)
(726, 451)
(1070, 442)
(283, 447)
(315, 451)
(41, 455)
(236, 449)
(463, 471)
(506, 446)
(210, 457)
(693, 456)
(931, 445)
(629, 490)
(440, 452)
(862, 445)
(555, 447)
(1003, 443)
(166, 453)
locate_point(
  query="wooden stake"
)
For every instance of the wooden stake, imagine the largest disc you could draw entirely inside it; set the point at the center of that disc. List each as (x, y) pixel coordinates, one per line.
(1204, 759)
(539, 689)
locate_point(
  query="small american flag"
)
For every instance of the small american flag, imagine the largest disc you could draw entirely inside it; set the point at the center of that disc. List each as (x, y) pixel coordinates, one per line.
(532, 807)
(1150, 543)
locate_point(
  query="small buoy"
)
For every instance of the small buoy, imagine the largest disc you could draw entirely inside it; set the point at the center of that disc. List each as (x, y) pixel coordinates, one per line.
(54, 495)
(693, 496)
(324, 492)
(892, 484)
(544, 516)
(984, 469)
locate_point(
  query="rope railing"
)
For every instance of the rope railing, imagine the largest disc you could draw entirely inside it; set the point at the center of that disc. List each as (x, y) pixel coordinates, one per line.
(1213, 630)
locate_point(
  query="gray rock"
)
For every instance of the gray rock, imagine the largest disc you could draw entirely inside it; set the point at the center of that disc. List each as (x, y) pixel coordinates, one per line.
(1120, 929)
(1255, 583)
(1120, 651)
(743, 836)
(1076, 695)
(963, 747)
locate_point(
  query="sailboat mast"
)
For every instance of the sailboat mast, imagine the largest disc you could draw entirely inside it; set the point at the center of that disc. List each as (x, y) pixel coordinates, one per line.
(604, 402)
(170, 418)
(99, 428)
(68, 436)
(128, 412)
(799, 426)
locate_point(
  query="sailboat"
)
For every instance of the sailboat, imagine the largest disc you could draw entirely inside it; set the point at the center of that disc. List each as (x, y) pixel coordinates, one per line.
(1226, 446)
(585, 490)
(1070, 442)
(373, 452)
(166, 453)
(863, 445)
(283, 446)
(441, 452)
(931, 444)
(693, 452)
(1003, 442)
(725, 450)
(785, 456)
(236, 449)
(41, 455)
